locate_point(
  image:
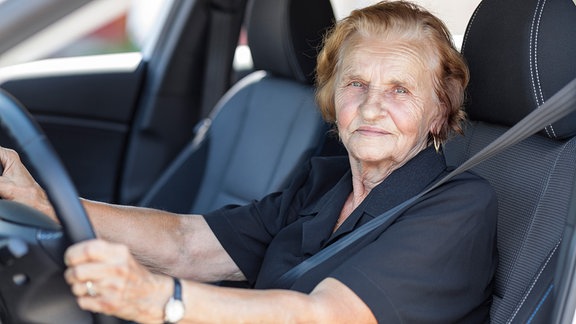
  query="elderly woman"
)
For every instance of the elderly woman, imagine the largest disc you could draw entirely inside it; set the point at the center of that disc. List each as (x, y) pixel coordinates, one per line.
(392, 83)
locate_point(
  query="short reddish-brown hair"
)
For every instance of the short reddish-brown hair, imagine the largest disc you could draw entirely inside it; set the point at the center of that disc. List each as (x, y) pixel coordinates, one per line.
(410, 22)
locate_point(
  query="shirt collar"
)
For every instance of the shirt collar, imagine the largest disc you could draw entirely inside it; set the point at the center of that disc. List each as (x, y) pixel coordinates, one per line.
(405, 182)
(400, 185)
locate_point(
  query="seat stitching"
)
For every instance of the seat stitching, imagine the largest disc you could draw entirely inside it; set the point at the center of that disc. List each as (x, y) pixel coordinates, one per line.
(522, 247)
(548, 291)
(536, 38)
(567, 146)
(533, 55)
(533, 283)
(549, 128)
(470, 27)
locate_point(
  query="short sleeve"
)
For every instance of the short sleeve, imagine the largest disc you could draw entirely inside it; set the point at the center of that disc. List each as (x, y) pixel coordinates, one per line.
(245, 232)
(435, 263)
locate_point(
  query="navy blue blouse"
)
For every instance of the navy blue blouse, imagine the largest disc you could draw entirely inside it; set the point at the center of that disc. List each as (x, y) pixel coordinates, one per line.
(433, 264)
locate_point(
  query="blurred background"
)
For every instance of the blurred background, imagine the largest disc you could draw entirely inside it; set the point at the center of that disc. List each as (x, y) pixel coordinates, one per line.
(120, 26)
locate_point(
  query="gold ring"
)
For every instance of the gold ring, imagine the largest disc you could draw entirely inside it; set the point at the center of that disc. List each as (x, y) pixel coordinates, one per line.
(90, 291)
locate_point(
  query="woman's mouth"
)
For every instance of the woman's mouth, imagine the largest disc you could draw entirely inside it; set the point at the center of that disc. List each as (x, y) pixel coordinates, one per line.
(371, 131)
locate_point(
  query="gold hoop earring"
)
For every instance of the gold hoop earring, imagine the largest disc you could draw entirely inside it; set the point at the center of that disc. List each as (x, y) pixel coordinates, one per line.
(437, 144)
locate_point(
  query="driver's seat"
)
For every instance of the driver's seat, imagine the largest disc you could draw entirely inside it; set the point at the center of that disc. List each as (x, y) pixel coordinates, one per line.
(520, 53)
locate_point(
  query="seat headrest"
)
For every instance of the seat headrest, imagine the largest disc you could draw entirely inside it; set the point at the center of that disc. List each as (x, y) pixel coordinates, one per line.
(520, 53)
(285, 35)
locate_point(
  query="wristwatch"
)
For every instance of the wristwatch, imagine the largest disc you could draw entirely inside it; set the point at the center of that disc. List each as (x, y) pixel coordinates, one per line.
(174, 308)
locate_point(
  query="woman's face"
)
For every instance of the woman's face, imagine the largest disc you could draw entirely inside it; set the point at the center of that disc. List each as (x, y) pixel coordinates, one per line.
(385, 101)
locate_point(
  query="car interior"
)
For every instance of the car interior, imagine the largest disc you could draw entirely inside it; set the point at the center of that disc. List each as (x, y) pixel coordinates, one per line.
(520, 53)
(265, 126)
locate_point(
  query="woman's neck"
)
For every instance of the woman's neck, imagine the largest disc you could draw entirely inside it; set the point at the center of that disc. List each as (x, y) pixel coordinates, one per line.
(367, 175)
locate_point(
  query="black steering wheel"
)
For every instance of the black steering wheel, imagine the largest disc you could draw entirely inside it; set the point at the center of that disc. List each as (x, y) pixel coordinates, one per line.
(35, 147)
(32, 288)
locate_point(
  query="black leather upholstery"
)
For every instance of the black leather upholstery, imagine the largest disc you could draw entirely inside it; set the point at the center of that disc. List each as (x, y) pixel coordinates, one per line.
(265, 126)
(521, 52)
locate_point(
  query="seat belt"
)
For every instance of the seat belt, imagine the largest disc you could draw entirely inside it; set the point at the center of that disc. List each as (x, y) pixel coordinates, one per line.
(225, 23)
(556, 107)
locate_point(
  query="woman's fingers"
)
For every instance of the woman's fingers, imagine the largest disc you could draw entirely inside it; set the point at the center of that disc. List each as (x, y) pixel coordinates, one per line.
(97, 263)
(8, 157)
(96, 251)
(84, 288)
(107, 279)
(17, 184)
(12, 177)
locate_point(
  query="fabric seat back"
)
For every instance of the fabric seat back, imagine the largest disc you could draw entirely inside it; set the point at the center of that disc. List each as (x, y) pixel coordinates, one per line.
(521, 52)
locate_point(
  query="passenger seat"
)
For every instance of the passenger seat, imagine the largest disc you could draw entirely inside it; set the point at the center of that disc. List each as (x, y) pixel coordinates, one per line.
(265, 126)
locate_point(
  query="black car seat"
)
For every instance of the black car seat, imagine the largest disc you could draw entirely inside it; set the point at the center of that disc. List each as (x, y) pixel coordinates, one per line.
(265, 126)
(521, 52)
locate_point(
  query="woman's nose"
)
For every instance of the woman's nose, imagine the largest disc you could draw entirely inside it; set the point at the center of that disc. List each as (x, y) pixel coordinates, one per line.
(374, 106)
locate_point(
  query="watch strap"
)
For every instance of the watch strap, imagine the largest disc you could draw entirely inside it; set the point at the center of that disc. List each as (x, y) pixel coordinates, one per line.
(174, 308)
(177, 289)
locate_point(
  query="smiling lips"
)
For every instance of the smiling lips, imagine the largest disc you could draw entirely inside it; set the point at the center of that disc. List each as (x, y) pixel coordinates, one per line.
(371, 131)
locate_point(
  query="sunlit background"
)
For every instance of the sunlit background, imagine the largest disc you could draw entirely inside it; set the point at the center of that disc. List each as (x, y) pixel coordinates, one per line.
(117, 26)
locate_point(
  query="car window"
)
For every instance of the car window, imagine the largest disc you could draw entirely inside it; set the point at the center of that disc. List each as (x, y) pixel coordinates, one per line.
(23, 19)
(27, 32)
(85, 28)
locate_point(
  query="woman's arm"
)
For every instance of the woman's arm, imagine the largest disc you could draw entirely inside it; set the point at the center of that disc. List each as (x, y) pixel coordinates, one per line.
(330, 302)
(125, 289)
(178, 245)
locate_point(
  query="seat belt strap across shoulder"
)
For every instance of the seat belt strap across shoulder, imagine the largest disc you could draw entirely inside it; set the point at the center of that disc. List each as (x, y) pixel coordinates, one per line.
(555, 108)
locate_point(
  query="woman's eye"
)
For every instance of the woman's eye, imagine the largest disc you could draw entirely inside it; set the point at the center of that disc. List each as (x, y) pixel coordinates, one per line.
(356, 84)
(400, 90)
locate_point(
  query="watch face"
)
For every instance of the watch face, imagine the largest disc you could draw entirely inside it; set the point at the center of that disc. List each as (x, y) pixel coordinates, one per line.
(174, 311)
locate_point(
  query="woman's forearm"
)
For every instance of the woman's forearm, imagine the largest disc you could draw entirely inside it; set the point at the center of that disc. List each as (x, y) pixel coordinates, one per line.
(177, 245)
(143, 230)
(122, 287)
(330, 302)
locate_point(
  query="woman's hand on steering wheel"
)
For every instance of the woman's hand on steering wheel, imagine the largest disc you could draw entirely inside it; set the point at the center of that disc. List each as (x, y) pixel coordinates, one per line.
(106, 278)
(17, 184)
